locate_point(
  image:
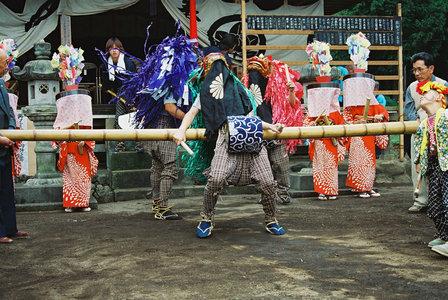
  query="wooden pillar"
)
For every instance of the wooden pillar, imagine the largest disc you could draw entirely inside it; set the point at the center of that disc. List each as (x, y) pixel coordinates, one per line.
(400, 87)
(66, 30)
(243, 36)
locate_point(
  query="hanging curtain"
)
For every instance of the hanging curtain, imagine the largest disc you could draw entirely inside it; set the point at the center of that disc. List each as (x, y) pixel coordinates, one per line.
(39, 18)
(216, 16)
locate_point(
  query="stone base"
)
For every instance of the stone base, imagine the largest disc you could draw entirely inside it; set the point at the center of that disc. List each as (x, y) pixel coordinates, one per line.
(303, 180)
(49, 197)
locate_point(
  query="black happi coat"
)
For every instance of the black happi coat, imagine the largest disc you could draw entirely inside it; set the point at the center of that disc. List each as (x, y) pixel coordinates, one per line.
(222, 95)
(257, 85)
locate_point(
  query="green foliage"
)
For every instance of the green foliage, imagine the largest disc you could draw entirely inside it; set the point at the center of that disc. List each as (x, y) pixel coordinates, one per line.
(424, 23)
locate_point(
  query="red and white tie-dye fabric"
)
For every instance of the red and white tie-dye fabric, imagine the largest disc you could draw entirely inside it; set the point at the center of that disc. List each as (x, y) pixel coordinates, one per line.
(325, 167)
(362, 159)
(361, 164)
(77, 171)
(325, 157)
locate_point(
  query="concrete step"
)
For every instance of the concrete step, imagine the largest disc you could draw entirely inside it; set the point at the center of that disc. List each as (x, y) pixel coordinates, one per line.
(131, 194)
(304, 181)
(125, 179)
(128, 160)
(36, 198)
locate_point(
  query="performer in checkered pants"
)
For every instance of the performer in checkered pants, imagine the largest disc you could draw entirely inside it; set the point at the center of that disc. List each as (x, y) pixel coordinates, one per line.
(158, 93)
(277, 96)
(164, 170)
(223, 95)
(431, 159)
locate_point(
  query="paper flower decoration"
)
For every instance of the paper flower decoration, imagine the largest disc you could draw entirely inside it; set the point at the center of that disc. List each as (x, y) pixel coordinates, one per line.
(69, 63)
(358, 48)
(10, 47)
(320, 57)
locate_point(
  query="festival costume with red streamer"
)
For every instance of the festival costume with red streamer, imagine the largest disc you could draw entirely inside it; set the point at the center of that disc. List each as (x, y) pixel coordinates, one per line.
(325, 153)
(277, 93)
(77, 172)
(263, 74)
(362, 156)
(77, 163)
(325, 156)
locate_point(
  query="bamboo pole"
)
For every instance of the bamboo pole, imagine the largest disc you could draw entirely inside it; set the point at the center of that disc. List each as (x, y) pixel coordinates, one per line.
(400, 87)
(243, 36)
(198, 134)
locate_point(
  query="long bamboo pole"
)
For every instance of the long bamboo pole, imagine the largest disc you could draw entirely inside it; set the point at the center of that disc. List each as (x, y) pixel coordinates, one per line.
(198, 134)
(400, 87)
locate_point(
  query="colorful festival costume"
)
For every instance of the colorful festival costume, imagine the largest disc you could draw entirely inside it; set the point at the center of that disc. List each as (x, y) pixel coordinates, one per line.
(431, 152)
(412, 112)
(223, 96)
(325, 153)
(161, 81)
(362, 159)
(267, 79)
(431, 149)
(77, 162)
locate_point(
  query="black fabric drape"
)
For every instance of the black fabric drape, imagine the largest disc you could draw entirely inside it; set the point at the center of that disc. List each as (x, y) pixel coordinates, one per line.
(221, 96)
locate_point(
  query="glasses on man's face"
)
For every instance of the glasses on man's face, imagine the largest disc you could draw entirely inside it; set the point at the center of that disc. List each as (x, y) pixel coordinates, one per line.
(419, 70)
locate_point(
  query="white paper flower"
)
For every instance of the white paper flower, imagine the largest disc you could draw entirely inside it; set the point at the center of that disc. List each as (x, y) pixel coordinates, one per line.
(255, 89)
(217, 87)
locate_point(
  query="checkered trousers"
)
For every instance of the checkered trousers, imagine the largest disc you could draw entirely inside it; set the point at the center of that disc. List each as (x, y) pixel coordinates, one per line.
(238, 169)
(164, 168)
(279, 159)
(438, 197)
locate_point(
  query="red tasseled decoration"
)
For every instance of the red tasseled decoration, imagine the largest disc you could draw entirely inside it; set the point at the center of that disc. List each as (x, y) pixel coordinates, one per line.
(277, 94)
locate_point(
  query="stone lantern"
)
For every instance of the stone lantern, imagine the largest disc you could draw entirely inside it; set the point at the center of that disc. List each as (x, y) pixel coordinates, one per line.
(43, 85)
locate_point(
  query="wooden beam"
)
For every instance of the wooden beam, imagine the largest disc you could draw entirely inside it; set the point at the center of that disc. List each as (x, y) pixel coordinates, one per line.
(279, 32)
(346, 62)
(387, 92)
(386, 77)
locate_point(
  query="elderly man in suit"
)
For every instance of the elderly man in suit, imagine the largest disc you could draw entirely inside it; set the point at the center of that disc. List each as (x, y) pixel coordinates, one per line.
(8, 227)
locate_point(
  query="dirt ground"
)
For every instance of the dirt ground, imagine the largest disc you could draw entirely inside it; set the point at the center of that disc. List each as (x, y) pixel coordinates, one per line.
(349, 248)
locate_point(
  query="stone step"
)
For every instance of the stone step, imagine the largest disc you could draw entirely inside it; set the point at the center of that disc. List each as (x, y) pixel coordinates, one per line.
(129, 179)
(46, 194)
(131, 194)
(128, 160)
(304, 181)
(35, 198)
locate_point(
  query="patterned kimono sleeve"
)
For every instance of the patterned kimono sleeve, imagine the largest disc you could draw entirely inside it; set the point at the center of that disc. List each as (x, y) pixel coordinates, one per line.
(418, 138)
(348, 117)
(381, 141)
(442, 141)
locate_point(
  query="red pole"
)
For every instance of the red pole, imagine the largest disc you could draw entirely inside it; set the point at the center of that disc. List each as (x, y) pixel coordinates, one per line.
(193, 23)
